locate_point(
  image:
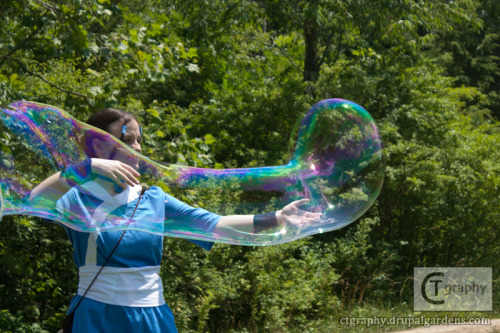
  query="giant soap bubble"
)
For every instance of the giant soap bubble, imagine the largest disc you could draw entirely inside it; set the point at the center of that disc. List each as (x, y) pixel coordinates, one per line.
(335, 161)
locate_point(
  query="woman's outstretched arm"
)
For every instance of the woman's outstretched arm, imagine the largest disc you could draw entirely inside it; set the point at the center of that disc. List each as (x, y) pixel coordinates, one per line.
(291, 215)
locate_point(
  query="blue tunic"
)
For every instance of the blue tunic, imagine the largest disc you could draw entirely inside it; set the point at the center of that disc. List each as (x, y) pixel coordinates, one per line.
(137, 249)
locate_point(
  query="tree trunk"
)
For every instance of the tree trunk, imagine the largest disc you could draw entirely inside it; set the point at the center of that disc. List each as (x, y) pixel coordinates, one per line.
(311, 64)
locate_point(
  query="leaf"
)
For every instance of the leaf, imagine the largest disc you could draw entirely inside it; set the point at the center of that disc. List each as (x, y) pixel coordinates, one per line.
(95, 91)
(153, 113)
(193, 68)
(209, 139)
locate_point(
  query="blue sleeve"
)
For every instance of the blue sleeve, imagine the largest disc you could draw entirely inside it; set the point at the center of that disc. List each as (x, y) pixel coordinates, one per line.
(190, 218)
(73, 210)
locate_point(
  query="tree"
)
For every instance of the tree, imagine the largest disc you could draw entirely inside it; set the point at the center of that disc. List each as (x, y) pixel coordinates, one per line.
(471, 54)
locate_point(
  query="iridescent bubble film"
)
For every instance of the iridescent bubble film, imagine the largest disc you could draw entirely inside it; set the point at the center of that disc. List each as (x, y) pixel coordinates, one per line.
(335, 162)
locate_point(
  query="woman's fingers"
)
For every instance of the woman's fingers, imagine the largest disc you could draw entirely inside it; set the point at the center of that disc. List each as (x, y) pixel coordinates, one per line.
(300, 217)
(133, 171)
(128, 175)
(120, 179)
(300, 202)
(121, 173)
(313, 215)
(117, 180)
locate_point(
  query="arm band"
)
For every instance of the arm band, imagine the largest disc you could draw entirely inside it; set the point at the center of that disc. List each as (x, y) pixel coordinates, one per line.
(264, 221)
(77, 173)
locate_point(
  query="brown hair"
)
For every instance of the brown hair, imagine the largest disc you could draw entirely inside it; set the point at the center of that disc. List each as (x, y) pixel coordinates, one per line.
(103, 120)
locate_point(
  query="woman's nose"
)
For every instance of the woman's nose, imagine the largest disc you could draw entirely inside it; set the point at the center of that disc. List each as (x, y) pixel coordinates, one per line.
(137, 147)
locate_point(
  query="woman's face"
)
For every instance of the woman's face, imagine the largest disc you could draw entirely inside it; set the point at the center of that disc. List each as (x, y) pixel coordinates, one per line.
(132, 138)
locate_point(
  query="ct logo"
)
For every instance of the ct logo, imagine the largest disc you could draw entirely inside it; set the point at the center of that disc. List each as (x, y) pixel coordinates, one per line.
(436, 282)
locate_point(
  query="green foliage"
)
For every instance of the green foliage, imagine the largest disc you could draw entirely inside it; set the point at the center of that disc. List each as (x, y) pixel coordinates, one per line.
(222, 84)
(472, 56)
(38, 277)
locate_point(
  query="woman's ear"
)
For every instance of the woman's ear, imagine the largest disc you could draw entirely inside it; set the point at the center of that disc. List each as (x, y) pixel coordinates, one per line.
(98, 148)
(80, 141)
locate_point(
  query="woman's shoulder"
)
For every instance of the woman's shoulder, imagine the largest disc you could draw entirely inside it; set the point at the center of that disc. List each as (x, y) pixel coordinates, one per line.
(155, 190)
(155, 193)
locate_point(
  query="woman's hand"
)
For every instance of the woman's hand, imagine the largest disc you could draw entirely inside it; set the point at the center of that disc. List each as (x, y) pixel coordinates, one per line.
(293, 216)
(121, 173)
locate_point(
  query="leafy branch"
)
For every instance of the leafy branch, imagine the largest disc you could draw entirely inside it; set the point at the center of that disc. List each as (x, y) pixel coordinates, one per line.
(18, 46)
(87, 98)
(286, 55)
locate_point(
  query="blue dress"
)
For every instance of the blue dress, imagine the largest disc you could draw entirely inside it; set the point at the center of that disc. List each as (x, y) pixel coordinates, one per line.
(127, 296)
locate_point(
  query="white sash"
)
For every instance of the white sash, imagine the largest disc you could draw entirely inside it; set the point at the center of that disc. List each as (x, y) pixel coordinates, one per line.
(135, 286)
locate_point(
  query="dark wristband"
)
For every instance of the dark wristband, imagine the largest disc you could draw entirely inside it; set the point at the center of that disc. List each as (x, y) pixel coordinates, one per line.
(264, 221)
(77, 173)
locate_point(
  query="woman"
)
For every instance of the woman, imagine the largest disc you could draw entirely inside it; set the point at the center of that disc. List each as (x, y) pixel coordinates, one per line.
(127, 294)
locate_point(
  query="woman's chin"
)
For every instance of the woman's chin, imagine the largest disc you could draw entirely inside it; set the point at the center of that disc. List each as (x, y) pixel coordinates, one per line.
(133, 162)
